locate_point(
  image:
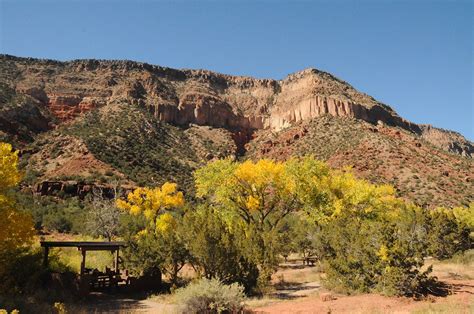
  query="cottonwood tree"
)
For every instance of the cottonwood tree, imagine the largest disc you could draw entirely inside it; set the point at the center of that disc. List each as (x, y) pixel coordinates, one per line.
(16, 228)
(157, 243)
(449, 230)
(258, 195)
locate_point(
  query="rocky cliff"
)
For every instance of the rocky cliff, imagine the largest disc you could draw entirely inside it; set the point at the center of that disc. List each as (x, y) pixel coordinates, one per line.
(90, 123)
(201, 97)
(447, 140)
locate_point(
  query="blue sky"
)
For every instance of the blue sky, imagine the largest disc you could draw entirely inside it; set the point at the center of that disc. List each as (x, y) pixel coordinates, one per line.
(416, 56)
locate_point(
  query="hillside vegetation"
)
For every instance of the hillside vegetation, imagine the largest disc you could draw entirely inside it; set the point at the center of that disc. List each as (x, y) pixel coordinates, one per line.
(418, 170)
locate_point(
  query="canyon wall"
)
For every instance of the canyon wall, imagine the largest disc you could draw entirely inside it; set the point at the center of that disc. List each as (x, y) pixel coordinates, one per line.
(182, 97)
(201, 97)
(316, 106)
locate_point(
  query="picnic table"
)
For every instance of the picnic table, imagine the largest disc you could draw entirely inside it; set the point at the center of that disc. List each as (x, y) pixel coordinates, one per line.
(107, 279)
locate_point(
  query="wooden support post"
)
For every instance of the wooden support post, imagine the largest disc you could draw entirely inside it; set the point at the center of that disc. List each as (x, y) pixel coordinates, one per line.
(116, 261)
(45, 257)
(83, 263)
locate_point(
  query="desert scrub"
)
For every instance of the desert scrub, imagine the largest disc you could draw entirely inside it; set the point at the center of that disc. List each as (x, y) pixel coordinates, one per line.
(156, 152)
(465, 258)
(211, 296)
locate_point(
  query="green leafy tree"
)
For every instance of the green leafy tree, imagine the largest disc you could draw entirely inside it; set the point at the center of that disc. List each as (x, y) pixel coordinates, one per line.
(369, 239)
(257, 196)
(449, 232)
(217, 249)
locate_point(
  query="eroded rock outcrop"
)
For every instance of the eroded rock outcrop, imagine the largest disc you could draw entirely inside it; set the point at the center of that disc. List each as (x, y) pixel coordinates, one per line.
(21, 116)
(199, 97)
(77, 189)
(317, 106)
(447, 140)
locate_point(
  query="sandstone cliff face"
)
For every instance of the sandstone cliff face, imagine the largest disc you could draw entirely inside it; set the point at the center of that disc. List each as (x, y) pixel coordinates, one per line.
(447, 140)
(317, 106)
(67, 107)
(201, 97)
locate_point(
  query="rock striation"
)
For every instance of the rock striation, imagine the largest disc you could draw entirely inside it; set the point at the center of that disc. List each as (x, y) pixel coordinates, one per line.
(183, 97)
(447, 140)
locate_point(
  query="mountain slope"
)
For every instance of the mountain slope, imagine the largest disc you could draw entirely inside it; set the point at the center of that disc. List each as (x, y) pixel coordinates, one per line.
(142, 124)
(420, 171)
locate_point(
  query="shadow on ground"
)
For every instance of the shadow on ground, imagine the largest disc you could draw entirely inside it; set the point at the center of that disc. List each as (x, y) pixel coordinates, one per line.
(99, 302)
(293, 290)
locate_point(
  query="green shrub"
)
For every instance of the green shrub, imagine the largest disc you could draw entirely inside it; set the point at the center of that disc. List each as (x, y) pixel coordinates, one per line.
(153, 253)
(447, 235)
(52, 213)
(211, 296)
(364, 254)
(25, 283)
(215, 248)
(140, 257)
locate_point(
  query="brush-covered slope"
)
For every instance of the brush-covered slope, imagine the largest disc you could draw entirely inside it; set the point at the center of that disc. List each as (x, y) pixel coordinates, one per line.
(420, 171)
(123, 143)
(98, 121)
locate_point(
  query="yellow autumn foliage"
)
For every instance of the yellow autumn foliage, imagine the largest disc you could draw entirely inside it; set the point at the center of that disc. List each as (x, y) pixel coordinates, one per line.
(259, 191)
(9, 174)
(260, 174)
(151, 203)
(252, 203)
(465, 215)
(16, 228)
(165, 223)
(358, 196)
(383, 253)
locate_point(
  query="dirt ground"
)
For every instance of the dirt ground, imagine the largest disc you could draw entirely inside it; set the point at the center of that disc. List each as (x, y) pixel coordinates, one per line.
(297, 289)
(113, 304)
(461, 301)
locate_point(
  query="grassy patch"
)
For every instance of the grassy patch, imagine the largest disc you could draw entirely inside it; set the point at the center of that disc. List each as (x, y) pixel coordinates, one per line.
(460, 267)
(448, 308)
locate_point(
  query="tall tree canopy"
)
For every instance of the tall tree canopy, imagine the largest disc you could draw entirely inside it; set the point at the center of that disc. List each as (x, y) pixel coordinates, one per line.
(261, 193)
(152, 203)
(156, 244)
(16, 228)
(259, 196)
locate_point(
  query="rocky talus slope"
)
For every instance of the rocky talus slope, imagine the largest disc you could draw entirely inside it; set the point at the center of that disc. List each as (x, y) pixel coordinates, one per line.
(179, 119)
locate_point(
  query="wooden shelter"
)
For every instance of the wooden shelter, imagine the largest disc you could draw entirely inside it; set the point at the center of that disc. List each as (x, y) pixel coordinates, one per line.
(83, 247)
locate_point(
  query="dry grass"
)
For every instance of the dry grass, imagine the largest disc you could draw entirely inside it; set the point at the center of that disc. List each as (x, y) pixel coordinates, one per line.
(162, 298)
(447, 308)
(70, 258)
(260, 302)
(460, 267)
(292, 273)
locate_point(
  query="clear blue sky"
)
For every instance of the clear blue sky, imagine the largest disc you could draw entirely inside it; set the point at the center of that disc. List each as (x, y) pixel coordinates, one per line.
(416, 56)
